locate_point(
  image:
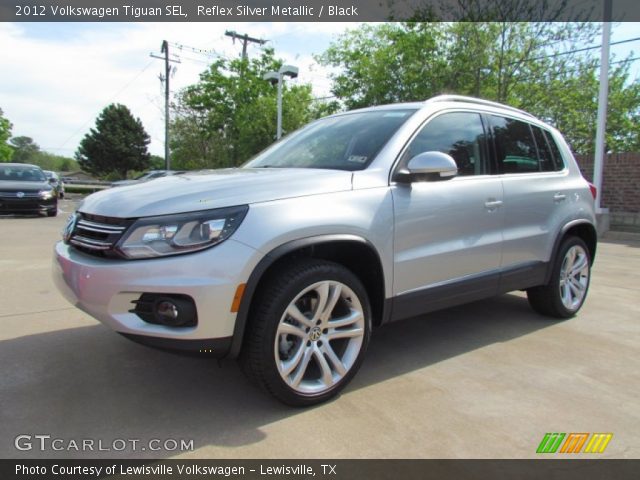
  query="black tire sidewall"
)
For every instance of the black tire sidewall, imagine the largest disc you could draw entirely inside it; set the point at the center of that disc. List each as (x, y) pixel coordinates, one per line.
(554, 283)
(306, 274)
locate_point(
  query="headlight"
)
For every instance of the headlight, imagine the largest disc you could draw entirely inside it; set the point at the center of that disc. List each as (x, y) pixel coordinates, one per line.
(46, 194)
(174, 234)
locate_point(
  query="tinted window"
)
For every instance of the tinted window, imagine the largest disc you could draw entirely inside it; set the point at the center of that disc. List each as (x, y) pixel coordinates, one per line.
(22, 174)
(547, 163)
(345, 142)
(515, 149)
(557, 157)
(460, 135)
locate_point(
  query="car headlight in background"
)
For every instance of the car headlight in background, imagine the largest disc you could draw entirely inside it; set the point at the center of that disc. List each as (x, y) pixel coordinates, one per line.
(46, 194)
(183, 233)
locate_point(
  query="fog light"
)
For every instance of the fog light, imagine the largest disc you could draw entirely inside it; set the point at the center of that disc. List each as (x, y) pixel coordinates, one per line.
(167, 311)
(174, 312)
(171, 310)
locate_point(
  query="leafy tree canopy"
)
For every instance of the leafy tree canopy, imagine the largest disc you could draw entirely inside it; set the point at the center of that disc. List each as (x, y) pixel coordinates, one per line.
(230, 114)
(24, 149)
(5, 133)
(522, 64)
(118, 143)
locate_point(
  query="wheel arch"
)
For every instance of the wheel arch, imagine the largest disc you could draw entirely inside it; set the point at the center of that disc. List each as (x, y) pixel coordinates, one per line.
(353, 252)
(579, 228)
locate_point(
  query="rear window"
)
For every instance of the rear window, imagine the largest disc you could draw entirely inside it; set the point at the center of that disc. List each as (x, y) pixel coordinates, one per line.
(555, 151)
(514, 145)
(523, 148)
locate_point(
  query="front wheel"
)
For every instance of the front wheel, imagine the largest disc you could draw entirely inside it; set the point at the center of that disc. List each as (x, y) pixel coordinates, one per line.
(567, 290)
(308, 332)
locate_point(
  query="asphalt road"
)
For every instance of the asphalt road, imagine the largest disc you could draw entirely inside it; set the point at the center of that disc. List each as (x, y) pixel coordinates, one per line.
(485, 380)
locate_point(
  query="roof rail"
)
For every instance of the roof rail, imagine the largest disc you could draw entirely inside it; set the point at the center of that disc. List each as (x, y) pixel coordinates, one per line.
(479, 101)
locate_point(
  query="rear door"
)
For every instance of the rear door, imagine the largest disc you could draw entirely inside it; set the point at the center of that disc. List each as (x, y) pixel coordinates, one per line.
(534, 182)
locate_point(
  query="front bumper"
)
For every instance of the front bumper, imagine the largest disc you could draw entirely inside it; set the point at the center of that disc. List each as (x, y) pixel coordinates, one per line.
(27, 205)
(106, 288)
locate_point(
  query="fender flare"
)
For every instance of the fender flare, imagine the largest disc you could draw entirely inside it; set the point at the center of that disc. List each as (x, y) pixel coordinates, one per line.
(266, 262)
(556, 245)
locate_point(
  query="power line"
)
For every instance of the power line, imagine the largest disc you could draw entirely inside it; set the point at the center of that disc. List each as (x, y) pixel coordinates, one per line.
(578, 50)
(127, 85)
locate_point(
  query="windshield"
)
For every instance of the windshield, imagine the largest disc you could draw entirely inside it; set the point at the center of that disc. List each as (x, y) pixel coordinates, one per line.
(346, 142)
(21, 174)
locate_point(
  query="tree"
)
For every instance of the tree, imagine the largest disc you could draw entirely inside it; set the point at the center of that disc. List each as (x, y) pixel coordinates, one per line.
(523, 64)
(24, 149)
(230, 114)
(117, 144)
(5, 133)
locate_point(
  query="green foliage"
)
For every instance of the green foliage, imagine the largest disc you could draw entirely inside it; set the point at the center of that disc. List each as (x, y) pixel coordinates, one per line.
(56, 163)
(509, 62)
(117, 144)
(24, 149)
(230, 114)
(5, 133)
(156, 162)
(83, 189)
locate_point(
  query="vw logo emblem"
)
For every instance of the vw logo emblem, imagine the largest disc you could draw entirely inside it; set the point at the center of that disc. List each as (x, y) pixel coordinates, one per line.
(20, 194)
(315, 334)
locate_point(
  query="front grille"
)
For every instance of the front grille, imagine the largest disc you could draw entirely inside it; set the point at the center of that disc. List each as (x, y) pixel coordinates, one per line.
(98, 235)
(11, 195)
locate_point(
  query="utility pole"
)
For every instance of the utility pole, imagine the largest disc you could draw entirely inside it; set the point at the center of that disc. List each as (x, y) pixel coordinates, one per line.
(245, 40)
(167, 70)
(603, 100)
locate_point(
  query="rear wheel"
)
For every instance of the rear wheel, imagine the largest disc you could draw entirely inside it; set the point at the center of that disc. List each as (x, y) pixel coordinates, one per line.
(567, 290)
(308, 332)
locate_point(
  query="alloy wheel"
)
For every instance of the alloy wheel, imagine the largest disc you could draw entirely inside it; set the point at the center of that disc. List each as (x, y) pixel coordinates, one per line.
(319, 337)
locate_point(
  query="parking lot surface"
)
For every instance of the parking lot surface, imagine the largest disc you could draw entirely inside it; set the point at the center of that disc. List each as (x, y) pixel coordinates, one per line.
(484, 380)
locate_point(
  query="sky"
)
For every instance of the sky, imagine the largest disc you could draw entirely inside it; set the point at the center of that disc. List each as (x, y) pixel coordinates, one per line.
(57, 77)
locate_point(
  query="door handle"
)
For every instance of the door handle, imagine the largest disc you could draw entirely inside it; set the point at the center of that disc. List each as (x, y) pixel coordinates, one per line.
(492, 204)
(559, 197)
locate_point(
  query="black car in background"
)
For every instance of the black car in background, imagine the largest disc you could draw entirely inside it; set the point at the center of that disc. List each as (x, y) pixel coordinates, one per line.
(24, 188)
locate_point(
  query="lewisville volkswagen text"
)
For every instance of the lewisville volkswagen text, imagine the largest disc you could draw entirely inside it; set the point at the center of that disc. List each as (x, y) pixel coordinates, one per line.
(354, 221)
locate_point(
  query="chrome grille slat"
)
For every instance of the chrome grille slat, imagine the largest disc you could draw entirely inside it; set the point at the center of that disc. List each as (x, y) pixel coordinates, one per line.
(99, 227)
(89, 243)
(98, 235)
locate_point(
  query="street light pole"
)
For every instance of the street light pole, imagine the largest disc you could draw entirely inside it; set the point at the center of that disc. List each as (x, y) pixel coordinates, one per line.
(279, 127)
(598, 161)
(278, 78)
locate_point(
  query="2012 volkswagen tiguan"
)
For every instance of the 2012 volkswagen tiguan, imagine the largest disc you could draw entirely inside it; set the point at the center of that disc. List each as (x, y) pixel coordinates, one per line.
(354, 221)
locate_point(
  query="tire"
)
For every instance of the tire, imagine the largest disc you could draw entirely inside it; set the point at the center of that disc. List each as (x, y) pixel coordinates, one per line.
(52, 213)
(566, 292)
(299, 353)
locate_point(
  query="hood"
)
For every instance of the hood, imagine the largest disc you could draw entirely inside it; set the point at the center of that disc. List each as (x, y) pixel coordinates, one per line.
(13, 186)
(205, 190)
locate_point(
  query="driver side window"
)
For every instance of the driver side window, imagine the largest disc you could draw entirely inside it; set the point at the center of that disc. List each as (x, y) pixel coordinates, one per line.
(459, 134)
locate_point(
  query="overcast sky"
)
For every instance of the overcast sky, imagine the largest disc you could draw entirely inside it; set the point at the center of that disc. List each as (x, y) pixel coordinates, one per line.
(57, 77)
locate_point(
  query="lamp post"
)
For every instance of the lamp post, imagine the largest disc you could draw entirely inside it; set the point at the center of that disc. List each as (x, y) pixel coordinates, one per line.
(277, 78)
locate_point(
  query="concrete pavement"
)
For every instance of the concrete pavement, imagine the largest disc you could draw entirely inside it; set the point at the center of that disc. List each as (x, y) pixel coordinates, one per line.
(485, 380)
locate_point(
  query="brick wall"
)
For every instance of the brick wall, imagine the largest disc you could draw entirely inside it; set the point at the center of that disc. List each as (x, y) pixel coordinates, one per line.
(621, 180)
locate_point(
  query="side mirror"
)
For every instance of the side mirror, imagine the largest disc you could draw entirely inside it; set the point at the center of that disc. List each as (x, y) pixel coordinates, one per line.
(52, 180)
(430, 166)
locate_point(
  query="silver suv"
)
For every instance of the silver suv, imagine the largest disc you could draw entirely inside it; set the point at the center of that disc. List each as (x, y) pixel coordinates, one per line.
(354, 221)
